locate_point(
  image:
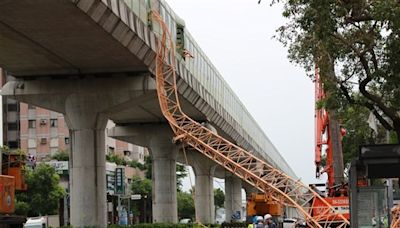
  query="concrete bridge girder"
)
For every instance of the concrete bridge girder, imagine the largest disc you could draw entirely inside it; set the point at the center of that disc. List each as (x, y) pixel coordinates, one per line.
(87, 105)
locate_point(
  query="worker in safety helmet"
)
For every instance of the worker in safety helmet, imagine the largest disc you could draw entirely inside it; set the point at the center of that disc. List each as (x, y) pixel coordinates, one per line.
(269, 223)
(253, 222)
(259, 222)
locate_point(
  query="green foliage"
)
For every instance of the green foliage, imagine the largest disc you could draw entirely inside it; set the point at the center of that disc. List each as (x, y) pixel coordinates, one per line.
(43, 192)
(357, 131)
(116, 159)
(6, 150)
(22, 208)
(185, 205)
(141, 186)
(138, 165)
(148, 167)
(61, 155)
(356, 47)
(119, 160)
(219, 197)
(180, 174)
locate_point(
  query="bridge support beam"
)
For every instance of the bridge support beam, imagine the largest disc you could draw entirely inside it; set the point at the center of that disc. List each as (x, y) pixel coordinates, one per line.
(204, 187)
(87, 172)
(233, 197)
(158, 139)
(165, 207)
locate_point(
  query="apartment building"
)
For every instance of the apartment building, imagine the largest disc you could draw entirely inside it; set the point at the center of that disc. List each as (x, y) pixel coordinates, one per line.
(43, 133)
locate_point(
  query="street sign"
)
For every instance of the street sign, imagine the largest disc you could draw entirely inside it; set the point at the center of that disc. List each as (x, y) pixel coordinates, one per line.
(136, 197)
(119, 181)
(236, 215)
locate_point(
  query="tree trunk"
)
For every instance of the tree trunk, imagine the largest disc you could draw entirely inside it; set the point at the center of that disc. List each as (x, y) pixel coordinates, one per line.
(397, 130)
(336, 143)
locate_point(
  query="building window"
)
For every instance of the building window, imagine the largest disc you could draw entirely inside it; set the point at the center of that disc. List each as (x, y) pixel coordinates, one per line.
(66, 140)
(32, 124)
(111, 150)
(12, 126)
(53, 123)
(127, 153)
(43, 140)
(12, 107)
(31, 106)
(13, 144)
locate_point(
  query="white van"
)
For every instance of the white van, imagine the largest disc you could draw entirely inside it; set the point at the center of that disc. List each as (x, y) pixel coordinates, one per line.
(36, 222)
(289, 223)
(293, 223)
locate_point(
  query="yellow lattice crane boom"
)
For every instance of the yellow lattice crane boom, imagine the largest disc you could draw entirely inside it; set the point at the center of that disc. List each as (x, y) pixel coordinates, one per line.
(233, 158)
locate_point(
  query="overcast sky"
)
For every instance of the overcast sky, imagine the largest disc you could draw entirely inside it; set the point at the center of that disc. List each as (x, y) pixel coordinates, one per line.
(237, 37)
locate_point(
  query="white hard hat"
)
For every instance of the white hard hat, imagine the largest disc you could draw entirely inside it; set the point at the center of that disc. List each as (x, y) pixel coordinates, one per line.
(267, 216)
(259, 218)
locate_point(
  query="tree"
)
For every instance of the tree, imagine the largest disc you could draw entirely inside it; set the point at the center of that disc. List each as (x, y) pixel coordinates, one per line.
(115, 158)
(43, 194)
(148, 167)
(356, 47)
(185, 205)
(61, 155)
(141, 186)
(180, 174)
(219, 198)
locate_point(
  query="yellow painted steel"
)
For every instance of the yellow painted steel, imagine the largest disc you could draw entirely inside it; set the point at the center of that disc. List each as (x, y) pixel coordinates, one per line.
(395, 217)
(243, 164)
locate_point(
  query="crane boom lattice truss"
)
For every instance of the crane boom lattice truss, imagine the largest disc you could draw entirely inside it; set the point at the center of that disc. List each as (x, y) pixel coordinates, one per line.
(243, 164)
(395, 217)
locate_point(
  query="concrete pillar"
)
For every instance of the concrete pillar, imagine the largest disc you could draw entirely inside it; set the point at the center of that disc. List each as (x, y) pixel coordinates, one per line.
(233, 197)
(249, 189)
(87, 163)
(204, 187)
(158, 139)
(163, 154)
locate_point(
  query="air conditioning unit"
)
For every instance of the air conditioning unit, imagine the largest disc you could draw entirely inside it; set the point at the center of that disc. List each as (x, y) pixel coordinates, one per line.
(43, 122)
(43, 140)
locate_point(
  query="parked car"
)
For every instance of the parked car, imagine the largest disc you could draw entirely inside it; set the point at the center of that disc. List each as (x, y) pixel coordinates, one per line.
(185, 221)
(293, 223)
(38, 222)
(289, 223)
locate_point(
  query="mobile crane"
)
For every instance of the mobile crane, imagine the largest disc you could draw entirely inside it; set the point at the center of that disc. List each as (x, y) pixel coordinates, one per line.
(328, 137)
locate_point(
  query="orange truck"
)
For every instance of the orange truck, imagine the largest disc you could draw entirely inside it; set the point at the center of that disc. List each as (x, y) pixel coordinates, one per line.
(261, 204)
(12, 179)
